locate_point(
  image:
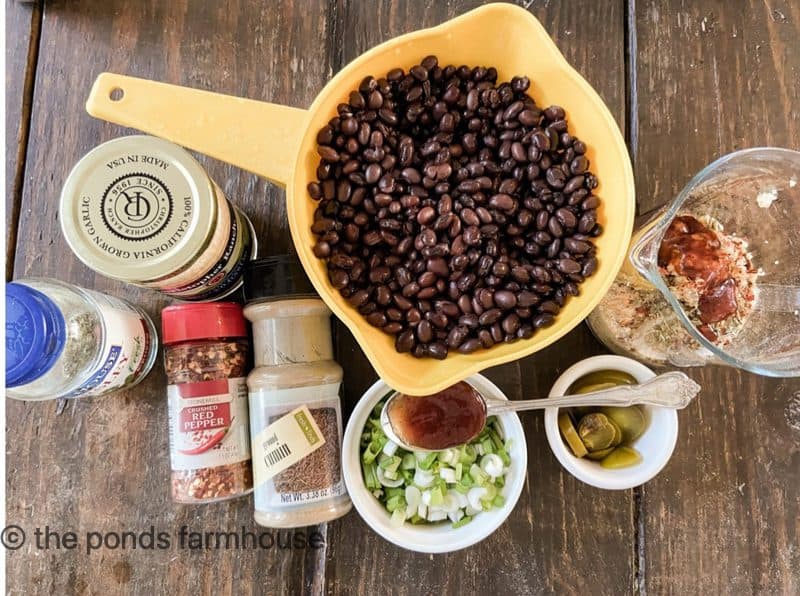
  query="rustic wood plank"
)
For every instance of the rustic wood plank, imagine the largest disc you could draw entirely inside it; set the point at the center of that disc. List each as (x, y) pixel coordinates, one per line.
(552, 540)
(724, 515)
(102, 465)
(23, 24)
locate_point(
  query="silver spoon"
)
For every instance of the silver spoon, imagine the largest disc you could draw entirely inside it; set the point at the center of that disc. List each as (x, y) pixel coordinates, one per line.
(668, 390)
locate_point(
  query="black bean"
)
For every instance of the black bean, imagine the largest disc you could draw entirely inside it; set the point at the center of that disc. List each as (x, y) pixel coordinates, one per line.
(469, 346)
(542, 320)
(490, 316)
(554, 113)
(405, 341)
(590, 202)
(549, 306)
(377, 319)
(393, 327)
(587, 222)
(505, 299)
(513, 110)
(511, 323)
(589, 267)
(456, 336)
(566, 218)
(502, 201)
(328, 153)
(525, 332)
(555, 177)
(470, 320)
(496, 332)
(574, 184)
(437, 319)
(554, 227)
(322, 250)
(577, 247)
(424, 332)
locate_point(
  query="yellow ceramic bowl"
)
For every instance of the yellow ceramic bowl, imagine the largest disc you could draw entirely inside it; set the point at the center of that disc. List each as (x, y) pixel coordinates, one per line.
(279, 143)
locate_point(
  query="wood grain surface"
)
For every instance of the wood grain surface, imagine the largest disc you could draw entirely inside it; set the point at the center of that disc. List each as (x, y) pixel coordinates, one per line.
(23, 24)
(725, 512)
(687, 81)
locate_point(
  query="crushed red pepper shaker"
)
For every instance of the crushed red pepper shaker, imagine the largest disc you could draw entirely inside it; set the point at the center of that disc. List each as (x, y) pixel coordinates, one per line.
(205, 357)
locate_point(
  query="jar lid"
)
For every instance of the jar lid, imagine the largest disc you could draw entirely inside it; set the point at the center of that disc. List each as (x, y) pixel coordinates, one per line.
(276, 277)
(35, 334)
(204, 320)
(137, 208)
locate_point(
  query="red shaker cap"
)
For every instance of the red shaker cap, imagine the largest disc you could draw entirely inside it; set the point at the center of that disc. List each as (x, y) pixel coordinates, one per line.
(204, 320)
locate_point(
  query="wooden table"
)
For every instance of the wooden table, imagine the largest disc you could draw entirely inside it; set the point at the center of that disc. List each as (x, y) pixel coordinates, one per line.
(686, 81)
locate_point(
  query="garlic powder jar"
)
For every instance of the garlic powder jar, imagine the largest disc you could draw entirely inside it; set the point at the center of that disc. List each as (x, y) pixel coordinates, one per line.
(142, 210)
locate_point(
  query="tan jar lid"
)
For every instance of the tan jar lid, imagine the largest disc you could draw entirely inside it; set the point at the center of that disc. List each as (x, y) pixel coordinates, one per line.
(137, 208)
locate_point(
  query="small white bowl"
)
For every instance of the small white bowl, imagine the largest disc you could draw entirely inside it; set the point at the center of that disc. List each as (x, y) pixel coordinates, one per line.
(442, 537)
(655, 445)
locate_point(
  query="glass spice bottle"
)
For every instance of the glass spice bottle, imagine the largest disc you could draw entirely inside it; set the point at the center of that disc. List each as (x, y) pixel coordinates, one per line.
(294, 363)
(66, 341)
(205, 358)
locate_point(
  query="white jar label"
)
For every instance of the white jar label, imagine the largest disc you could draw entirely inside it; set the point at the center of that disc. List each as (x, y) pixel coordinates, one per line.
(127, 347)
(285, 442)
(226, 273)
(314, 476)
(208, 423)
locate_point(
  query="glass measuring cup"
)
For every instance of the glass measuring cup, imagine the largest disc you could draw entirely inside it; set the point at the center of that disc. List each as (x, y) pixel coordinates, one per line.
(747, 203)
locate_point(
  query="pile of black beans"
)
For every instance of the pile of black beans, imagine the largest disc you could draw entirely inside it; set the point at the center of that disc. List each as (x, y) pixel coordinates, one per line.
(453, 213)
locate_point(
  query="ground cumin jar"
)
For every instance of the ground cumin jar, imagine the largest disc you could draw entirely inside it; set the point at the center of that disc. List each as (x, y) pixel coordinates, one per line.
(142, 210)
(293, 353)
(205, 358)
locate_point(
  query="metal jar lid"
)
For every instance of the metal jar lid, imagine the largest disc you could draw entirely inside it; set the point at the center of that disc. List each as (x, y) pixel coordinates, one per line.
(137, 208)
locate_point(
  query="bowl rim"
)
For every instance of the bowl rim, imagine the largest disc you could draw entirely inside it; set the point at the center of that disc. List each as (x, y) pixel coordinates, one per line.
(624, 478)
(376, 517)
(386, 368)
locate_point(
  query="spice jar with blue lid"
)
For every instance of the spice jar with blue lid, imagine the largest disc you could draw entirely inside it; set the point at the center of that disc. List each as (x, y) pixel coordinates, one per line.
(66, 341)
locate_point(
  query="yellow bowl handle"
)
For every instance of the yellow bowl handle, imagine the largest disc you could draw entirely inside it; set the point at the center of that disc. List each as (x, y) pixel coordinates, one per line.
(260, 137)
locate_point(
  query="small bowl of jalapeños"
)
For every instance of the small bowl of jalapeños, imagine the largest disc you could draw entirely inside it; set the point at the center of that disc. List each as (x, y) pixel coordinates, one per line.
(609, 447)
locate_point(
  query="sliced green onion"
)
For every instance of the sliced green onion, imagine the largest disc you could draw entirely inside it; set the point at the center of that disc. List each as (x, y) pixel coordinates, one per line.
(398, 517)
(396, 502)
(437, 498)
(426, 463)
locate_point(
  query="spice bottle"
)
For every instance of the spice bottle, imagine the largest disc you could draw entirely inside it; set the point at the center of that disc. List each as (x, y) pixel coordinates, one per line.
(205, 358)
(142, 210)
(294, 368)
(65, 341)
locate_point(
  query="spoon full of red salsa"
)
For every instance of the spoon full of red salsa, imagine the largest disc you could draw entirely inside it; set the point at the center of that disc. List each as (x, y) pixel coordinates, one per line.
(458, 414)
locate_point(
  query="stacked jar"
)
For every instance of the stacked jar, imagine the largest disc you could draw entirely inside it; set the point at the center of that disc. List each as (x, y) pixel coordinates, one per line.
(142, 210)
(294, 369)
